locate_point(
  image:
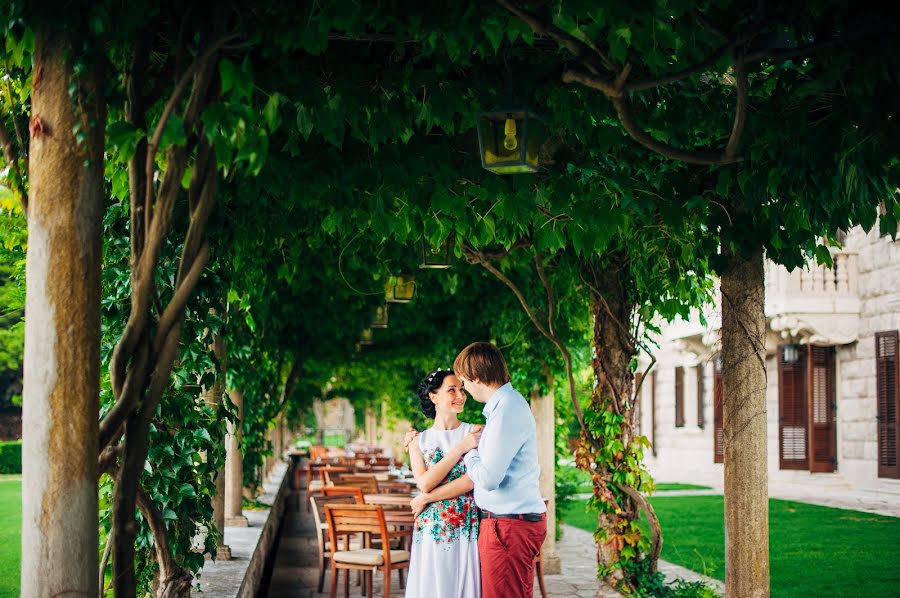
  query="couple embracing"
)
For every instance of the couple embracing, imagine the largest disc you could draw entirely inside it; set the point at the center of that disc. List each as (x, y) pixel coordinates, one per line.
(481, 545)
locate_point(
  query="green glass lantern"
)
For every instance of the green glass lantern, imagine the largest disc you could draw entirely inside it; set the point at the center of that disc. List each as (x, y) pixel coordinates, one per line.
(437, 257)
(510, 141)
(400, 289)
(380, 319)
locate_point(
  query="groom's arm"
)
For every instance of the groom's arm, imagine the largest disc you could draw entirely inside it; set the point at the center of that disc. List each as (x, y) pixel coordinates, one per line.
(500, 441)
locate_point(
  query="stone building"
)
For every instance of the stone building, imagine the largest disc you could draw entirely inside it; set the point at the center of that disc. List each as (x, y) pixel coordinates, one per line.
(832, 363)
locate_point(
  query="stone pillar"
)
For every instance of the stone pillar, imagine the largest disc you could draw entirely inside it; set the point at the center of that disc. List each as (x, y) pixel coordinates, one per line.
(214, 397)
(62, 331)
(545, 417)
(234, 466)
(371, 426)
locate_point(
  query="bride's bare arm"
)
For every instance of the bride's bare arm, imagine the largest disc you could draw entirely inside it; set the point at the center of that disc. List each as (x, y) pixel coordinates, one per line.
(457, 487)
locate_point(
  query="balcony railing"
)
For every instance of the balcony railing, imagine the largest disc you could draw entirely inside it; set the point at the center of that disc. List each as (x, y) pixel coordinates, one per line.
(817, 304)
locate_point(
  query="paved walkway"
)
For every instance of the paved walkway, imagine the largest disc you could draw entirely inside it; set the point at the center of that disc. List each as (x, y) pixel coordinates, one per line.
(295, 570)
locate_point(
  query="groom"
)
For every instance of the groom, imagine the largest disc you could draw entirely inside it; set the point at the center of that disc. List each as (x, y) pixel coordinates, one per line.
(505, 471)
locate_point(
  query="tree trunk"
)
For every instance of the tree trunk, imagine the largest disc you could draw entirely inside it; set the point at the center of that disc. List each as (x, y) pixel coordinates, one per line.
(62, 330)
(744, 414)
(612, 381)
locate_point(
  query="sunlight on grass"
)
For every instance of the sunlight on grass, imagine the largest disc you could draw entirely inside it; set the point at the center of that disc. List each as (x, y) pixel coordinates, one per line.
(814, 551)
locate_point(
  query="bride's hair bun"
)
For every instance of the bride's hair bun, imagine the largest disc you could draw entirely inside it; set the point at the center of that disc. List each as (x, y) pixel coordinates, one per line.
(430, 384)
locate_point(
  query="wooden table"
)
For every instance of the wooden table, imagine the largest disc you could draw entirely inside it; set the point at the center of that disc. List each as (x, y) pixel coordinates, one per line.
(389, 500)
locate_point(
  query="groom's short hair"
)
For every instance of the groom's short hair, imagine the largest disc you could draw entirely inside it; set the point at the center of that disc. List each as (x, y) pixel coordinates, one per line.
(484, 362)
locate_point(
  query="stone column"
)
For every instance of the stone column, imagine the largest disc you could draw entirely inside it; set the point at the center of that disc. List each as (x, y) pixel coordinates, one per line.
(214, 397)
(371, 426)
(62, 331)
(545, 417)
(234, 466)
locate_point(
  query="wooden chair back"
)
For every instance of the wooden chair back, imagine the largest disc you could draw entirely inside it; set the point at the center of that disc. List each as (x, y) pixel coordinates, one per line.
(394, 488)
(327, 474)
(368, 484)
(353, 491)
(319, 503)
(347, 520)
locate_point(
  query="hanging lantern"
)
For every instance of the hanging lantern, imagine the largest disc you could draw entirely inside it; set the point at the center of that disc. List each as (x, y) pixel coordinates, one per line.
(380, 319)
(510, 141)
(791, 353)
(437, 257)
(366, 337)
(400, 289)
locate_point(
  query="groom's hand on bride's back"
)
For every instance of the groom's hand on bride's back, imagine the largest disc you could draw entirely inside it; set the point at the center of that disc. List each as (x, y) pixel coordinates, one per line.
(407, 440)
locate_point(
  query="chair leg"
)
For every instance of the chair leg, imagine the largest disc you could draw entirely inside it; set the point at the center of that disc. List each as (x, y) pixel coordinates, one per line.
(387, 581)
(334, 576)
(402, 576)
(347, 584)
(540, 574)
(371, 579)
(321, 572)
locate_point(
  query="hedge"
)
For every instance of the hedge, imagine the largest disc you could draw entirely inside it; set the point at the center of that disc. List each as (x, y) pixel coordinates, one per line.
(11, 457)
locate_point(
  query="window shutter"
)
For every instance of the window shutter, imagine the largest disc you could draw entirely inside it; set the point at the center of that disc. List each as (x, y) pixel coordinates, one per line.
(822, 433)
(792, 434)
(887, 345)
(701, 391)
(679, 397)
(718, 428)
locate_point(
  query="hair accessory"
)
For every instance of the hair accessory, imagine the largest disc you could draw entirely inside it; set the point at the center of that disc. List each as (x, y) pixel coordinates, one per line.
(433, 374)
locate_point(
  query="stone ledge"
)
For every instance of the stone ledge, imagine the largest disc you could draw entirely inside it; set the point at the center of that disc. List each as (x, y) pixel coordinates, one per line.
(251, 546)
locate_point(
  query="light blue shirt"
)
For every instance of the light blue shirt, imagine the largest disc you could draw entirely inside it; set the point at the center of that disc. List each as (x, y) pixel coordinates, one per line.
(505, 466)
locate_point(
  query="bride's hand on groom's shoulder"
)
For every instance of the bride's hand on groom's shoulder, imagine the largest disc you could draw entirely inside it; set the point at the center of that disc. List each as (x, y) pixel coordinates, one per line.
(470, 441)
(407, 440)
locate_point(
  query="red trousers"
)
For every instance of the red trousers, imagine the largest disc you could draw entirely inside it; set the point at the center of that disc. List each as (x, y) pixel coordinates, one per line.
(507, 548)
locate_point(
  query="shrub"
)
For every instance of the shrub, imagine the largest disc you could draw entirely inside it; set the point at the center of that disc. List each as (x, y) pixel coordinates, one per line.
(11, 457)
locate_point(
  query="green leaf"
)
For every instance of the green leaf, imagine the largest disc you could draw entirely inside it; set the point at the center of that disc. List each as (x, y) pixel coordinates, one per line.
(305, 122)
(229, 74)
(270, 111)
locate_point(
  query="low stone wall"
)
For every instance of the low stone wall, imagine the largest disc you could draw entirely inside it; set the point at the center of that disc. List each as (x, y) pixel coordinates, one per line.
(251, 546)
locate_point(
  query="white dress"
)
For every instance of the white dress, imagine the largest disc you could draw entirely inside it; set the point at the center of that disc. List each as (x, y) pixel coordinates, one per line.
(444, 561)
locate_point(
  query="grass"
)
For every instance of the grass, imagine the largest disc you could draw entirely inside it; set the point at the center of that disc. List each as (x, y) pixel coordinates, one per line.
(678, 486)
(10, 534)
(813, 551)
(584, 481)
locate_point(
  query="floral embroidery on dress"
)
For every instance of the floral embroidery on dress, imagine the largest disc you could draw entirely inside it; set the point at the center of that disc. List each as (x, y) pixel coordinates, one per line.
(451, 519)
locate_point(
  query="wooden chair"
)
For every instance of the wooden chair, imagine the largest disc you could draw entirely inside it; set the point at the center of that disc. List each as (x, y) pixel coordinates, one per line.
(318, 452)
(330, 474)
(368, 484)
(318, 510)
(346, 520)
(394, 488)
(353, 491)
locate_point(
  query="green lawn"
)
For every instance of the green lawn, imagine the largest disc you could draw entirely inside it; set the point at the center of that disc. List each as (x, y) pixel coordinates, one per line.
(583, 480)
(676, 486)
(10, 534)
(814, 551)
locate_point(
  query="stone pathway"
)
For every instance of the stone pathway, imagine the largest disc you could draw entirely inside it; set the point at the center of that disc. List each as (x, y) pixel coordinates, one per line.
(295, 570)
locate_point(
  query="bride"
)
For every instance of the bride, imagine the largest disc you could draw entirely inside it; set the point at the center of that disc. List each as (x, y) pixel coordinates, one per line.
(444, 561)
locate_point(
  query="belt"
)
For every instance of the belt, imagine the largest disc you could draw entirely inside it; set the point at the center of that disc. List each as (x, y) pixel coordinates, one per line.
(532, 517)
